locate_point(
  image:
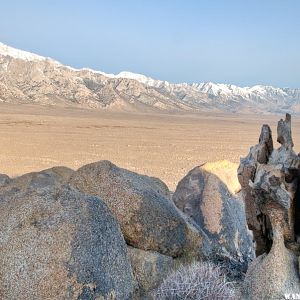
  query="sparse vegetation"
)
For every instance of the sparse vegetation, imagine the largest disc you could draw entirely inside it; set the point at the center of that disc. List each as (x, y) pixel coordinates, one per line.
(199, 281)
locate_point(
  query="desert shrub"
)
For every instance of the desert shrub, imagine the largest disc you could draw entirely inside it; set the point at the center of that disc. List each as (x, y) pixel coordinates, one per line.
(199, 281)
(234, 269)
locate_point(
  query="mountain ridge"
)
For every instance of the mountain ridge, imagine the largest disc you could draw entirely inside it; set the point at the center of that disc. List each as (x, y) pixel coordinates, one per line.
(30, 78)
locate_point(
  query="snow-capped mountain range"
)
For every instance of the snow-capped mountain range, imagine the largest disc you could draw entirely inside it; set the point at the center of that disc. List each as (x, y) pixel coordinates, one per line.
(29, 78)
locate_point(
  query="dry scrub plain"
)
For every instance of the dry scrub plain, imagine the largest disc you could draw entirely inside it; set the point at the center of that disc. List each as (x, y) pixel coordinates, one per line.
(165, 146)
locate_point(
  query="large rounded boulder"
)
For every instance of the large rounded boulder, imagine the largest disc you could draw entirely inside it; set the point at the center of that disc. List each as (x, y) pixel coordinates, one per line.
(208, 194)
(148, 219)
(57, 243)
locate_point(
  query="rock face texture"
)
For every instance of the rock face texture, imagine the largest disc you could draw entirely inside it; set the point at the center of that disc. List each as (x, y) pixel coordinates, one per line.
(148, 219)
(4, 179)
(57, 243)
(149, 268)
(208, 194)
(49, 178)
(103, 232)
(63, 234)
(270, 182)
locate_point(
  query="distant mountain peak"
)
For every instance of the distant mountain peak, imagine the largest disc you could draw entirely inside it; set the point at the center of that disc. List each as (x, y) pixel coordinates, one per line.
(19, 54)
(47, 81)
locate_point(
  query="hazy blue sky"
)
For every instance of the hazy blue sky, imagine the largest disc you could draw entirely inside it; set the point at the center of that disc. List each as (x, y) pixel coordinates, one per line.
(241, 42)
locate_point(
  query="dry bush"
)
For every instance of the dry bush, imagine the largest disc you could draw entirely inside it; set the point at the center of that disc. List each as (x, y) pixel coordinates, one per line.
(234, 269)
(200, 280)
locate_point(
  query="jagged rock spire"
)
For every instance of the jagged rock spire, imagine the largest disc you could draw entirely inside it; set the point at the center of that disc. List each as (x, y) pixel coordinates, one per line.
(270, 184)
(269, 177)
(266, 144)
(284, 132)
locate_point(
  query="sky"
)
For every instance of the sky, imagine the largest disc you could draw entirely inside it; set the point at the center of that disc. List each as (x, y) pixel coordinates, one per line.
(243, 42)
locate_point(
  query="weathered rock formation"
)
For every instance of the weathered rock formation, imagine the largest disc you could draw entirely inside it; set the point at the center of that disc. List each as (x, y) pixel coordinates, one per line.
(56, 243)
(100, 232)
(270, 184)
(209, 195)
(148, 220)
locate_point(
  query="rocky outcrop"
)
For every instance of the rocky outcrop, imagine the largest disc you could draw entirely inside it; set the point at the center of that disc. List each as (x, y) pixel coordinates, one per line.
(258, 155)
(270, 182)
(57, 243)
(63, 234)
(61, 243)
(148, 220)
(208, 194)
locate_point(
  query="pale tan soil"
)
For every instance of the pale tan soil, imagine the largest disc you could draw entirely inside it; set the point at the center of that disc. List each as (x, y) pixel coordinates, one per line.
(166, 146)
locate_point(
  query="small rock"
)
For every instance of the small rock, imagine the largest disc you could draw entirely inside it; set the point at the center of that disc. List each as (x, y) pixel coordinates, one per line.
(4, 179)
(149, 268)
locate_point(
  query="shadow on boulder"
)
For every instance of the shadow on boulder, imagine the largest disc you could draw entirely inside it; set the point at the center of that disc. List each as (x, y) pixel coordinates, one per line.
(209, 195)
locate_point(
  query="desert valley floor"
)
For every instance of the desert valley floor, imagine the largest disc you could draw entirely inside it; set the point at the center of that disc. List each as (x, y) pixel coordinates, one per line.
(161, 145)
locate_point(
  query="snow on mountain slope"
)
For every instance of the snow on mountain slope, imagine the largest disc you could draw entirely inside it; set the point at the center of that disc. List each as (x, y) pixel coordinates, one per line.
(142, 78)
(19, 54)
(92, 88)
(223, 91)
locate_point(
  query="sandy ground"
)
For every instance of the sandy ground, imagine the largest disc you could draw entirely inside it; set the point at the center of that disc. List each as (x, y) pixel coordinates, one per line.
(166, 146)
